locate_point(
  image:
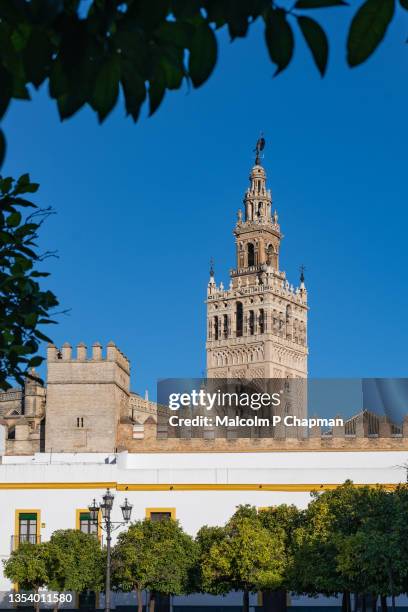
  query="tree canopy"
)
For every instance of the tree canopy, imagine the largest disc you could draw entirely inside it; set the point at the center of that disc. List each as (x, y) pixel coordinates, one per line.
(77, 561)
(24, 305)
(352, 539)
(154, 555)
(244, 557)
(147, 47)
(28, 566)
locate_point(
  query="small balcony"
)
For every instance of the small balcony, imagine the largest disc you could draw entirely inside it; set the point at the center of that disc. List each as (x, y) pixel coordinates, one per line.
(24, 538)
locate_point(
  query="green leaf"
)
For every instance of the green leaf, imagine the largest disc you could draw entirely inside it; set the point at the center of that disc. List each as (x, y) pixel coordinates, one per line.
(367, 29)
(185, 8)
(312, 4)
(69, 104)
(149, 13)
(134, 91)
(203, 54)
(36, 361)
(14, 219)
(58, 84)
(176, 34)
(37, 56)
(316, 40)
(24, 185)
(41, 336)
(106, 88)
(24, 179)
(2, 147)
(156, 92)
(6, 89)
(31, 319)
(279, 39)
(173, 69)
(6, 184)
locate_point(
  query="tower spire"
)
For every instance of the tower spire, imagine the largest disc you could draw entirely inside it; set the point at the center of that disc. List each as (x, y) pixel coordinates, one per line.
(258, 198)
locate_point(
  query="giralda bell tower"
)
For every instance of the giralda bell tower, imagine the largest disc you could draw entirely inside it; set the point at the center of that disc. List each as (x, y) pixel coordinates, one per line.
(257, 327)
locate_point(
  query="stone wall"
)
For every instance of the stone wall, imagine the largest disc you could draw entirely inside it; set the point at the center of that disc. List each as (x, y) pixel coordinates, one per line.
(87, 396)
(22, 414)
(152, 438)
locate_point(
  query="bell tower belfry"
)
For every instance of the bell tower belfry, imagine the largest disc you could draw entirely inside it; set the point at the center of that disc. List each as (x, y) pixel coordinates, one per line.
(257, 327)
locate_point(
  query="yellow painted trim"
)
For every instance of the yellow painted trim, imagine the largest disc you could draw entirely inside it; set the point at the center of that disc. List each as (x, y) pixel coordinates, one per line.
(58, 485)
(243, 487)
(19, 511)
(187, 486)
(78, 518)
(171, 510)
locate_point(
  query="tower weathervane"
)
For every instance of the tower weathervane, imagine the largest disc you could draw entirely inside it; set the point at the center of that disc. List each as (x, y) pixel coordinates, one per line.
(212, 267)
(260, 145)
(302, 273)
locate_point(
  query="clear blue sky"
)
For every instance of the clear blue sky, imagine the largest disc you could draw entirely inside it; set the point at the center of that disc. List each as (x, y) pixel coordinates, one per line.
(142, 208)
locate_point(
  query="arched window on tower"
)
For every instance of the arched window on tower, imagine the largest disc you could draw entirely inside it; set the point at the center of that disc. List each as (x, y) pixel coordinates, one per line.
(251, 254)
(225, 326)
(251, 322)
(216, 328)
(239, 319)
(261, 320)
(241, 254)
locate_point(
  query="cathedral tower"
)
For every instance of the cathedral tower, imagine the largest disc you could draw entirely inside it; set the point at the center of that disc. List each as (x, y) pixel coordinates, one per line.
(257, 327)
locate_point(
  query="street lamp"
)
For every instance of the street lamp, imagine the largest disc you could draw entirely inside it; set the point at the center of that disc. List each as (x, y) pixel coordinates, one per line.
(108, 525)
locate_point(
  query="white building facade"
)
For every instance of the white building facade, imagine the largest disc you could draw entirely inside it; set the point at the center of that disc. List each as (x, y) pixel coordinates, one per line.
(196, 489)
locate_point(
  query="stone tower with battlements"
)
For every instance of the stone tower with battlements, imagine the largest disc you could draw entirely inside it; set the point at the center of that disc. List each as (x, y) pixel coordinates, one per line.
(87, 396)
(257, 327)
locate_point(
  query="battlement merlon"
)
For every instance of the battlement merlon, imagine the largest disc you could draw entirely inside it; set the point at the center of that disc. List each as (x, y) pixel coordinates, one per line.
(100, 366)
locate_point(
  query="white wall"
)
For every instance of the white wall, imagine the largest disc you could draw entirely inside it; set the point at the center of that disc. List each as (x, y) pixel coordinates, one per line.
(194, 508)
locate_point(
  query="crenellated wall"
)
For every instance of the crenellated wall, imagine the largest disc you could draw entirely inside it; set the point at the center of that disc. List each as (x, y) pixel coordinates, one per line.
(87, 394)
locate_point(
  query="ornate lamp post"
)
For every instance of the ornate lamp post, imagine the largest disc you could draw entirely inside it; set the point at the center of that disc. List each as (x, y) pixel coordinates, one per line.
(108, 525)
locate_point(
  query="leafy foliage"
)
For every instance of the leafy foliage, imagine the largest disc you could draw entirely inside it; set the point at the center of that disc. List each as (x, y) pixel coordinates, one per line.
(285, 521)
(70, 561)
(144, 48)
(350, 539)
(154, 555)
(24, 306)
(316, 40)
(368, 28)
(374, 558)
(245, 557)
(76, 561)
(28, 566)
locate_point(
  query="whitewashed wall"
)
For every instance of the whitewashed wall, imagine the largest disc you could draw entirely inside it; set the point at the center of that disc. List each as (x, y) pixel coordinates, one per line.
(193, 508)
